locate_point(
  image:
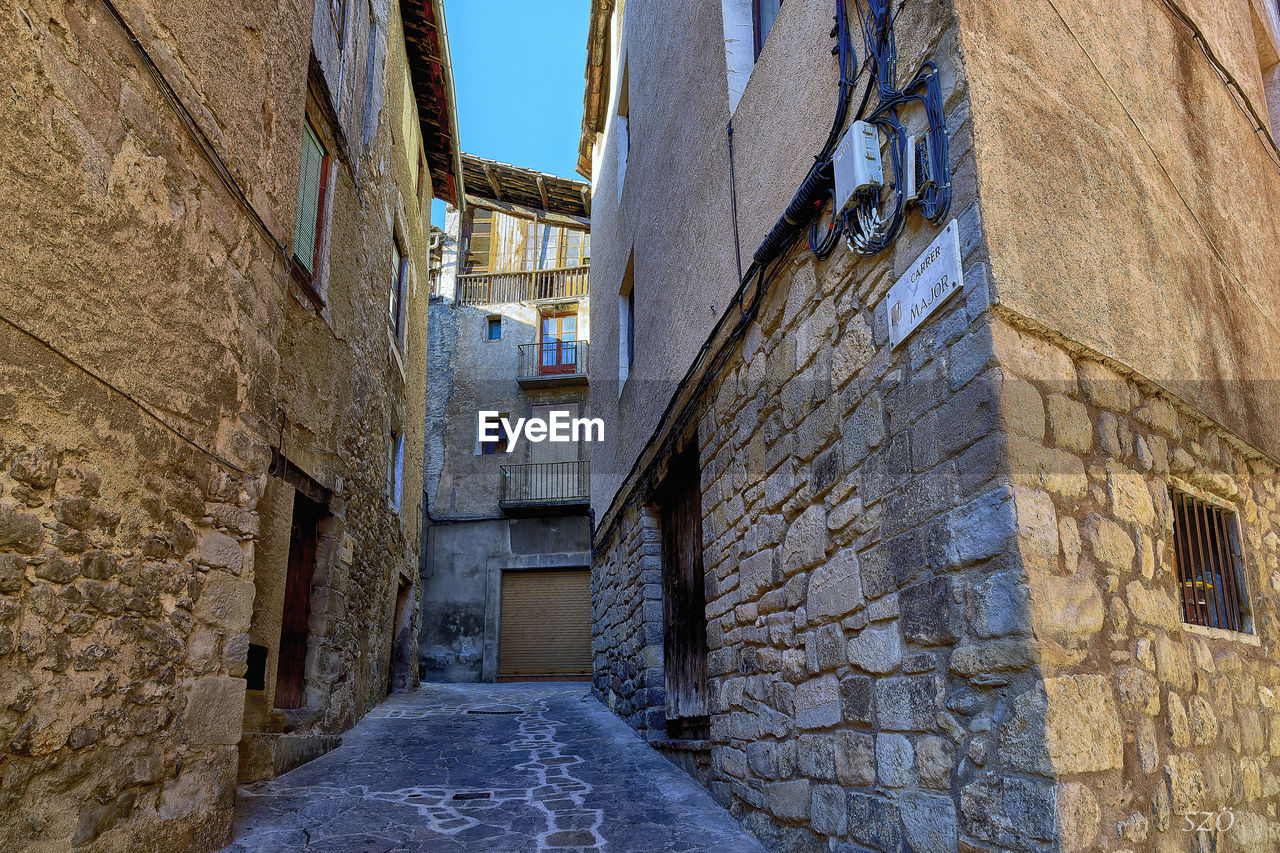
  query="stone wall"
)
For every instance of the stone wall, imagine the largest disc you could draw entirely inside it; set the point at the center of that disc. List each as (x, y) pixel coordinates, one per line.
(124, 600)
(1145, 718)
(626, 623)
(851, 496)
(154, 351)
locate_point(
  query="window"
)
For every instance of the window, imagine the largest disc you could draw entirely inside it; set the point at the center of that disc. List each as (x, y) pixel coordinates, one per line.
(313, 174)
(577, 248)
(542, 246)
(559, 339)
(338, 14)
(395, 299)
(763, 13)
(1210, 567)
(395, 470)
(626, 327)
(498, 445)
(478, 239)
(493, 328)
(624, 130)
(368, 125)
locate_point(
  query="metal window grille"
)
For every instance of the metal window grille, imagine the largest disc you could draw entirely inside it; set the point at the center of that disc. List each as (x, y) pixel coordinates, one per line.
(1210, 573)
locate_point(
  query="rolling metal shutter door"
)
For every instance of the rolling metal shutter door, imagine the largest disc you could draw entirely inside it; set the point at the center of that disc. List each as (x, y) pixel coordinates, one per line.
(546, 624)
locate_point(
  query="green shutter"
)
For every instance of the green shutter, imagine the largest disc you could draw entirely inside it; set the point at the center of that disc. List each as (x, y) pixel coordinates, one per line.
(304, 235)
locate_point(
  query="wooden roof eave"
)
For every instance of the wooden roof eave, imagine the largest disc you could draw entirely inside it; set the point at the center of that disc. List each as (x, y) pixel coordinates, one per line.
(595, 98)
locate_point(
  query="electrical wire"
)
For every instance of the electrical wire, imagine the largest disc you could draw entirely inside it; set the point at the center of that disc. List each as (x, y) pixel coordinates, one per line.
(197, 134)
(1238, 95)
(874, 221)
(138, 404)
(804, 214)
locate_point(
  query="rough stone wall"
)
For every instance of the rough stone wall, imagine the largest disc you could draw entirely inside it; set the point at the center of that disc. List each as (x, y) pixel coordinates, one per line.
(1140, 718)
(163, 342)
(1166, 274)
(626, 623)
(124, 597)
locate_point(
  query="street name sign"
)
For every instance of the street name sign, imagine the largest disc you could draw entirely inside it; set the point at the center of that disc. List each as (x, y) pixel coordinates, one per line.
(930, 281)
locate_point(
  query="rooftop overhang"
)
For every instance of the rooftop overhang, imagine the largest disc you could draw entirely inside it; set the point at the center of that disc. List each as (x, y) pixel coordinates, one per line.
(595, 101)
(427, 45)
(526, 192)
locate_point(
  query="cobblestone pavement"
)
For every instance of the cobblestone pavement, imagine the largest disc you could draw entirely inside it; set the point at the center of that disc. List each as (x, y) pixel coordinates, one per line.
(494, 767)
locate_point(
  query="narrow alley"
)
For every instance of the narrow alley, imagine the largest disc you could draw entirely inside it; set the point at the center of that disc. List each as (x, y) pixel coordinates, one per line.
(486, 767)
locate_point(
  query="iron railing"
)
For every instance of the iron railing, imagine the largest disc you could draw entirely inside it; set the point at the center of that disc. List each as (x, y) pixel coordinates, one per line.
(552, 358)
(1208, 562)
(494, 288)
(545, 483)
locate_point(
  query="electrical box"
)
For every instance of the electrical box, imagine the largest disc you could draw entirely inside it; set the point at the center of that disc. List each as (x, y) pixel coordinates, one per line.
(857, 163)
(916, 168)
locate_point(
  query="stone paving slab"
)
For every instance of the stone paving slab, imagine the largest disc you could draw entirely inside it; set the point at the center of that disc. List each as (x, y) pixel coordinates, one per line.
(498, 768)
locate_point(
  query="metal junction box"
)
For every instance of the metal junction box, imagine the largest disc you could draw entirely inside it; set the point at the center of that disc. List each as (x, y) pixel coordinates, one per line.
(857, 162)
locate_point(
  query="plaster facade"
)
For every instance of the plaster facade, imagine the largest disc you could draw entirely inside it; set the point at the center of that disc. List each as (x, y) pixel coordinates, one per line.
(168, 383)
(472, 537)
(941, 602)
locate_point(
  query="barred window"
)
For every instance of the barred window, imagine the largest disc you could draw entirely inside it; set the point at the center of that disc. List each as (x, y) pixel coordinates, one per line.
(1210, 564)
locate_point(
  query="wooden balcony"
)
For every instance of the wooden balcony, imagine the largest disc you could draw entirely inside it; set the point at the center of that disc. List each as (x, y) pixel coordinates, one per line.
(545, 485)
(551, 364)
(495, 288)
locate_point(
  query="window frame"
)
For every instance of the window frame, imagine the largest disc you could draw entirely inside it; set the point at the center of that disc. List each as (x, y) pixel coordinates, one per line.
(626, 325)
(499, 446)
(397, 298)
(311, 273)
(422, 171)
(1212, 538)
(758, 38)
(468, 257)
(491, 322)
(395, 470)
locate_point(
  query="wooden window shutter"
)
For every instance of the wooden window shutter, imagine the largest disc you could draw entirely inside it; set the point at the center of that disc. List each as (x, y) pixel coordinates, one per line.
(309, 180)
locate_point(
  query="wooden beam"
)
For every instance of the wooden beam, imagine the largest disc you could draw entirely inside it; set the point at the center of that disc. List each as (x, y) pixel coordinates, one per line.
(542, 191)
(586, 200)
(524, 212)
(493, 181)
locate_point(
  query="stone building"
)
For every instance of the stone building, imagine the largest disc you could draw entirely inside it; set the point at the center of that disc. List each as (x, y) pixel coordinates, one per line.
(214, 344)
(994, 570)
(505, 564)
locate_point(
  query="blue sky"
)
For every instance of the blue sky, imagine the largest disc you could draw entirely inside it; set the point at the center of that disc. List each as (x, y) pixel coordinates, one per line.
(517, 67)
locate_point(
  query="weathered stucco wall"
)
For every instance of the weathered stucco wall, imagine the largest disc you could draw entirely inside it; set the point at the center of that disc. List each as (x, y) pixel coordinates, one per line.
(168, 354)
(1139, 170)
(462, 582)
(469, 542)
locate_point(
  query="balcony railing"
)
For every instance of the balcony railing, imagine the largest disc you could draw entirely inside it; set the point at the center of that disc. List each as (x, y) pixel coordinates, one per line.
(545, 484)
(552, 360)
(493, 288)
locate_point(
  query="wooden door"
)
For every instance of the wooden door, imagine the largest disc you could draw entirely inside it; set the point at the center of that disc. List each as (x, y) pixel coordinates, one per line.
(291, 667)
(684, 603)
